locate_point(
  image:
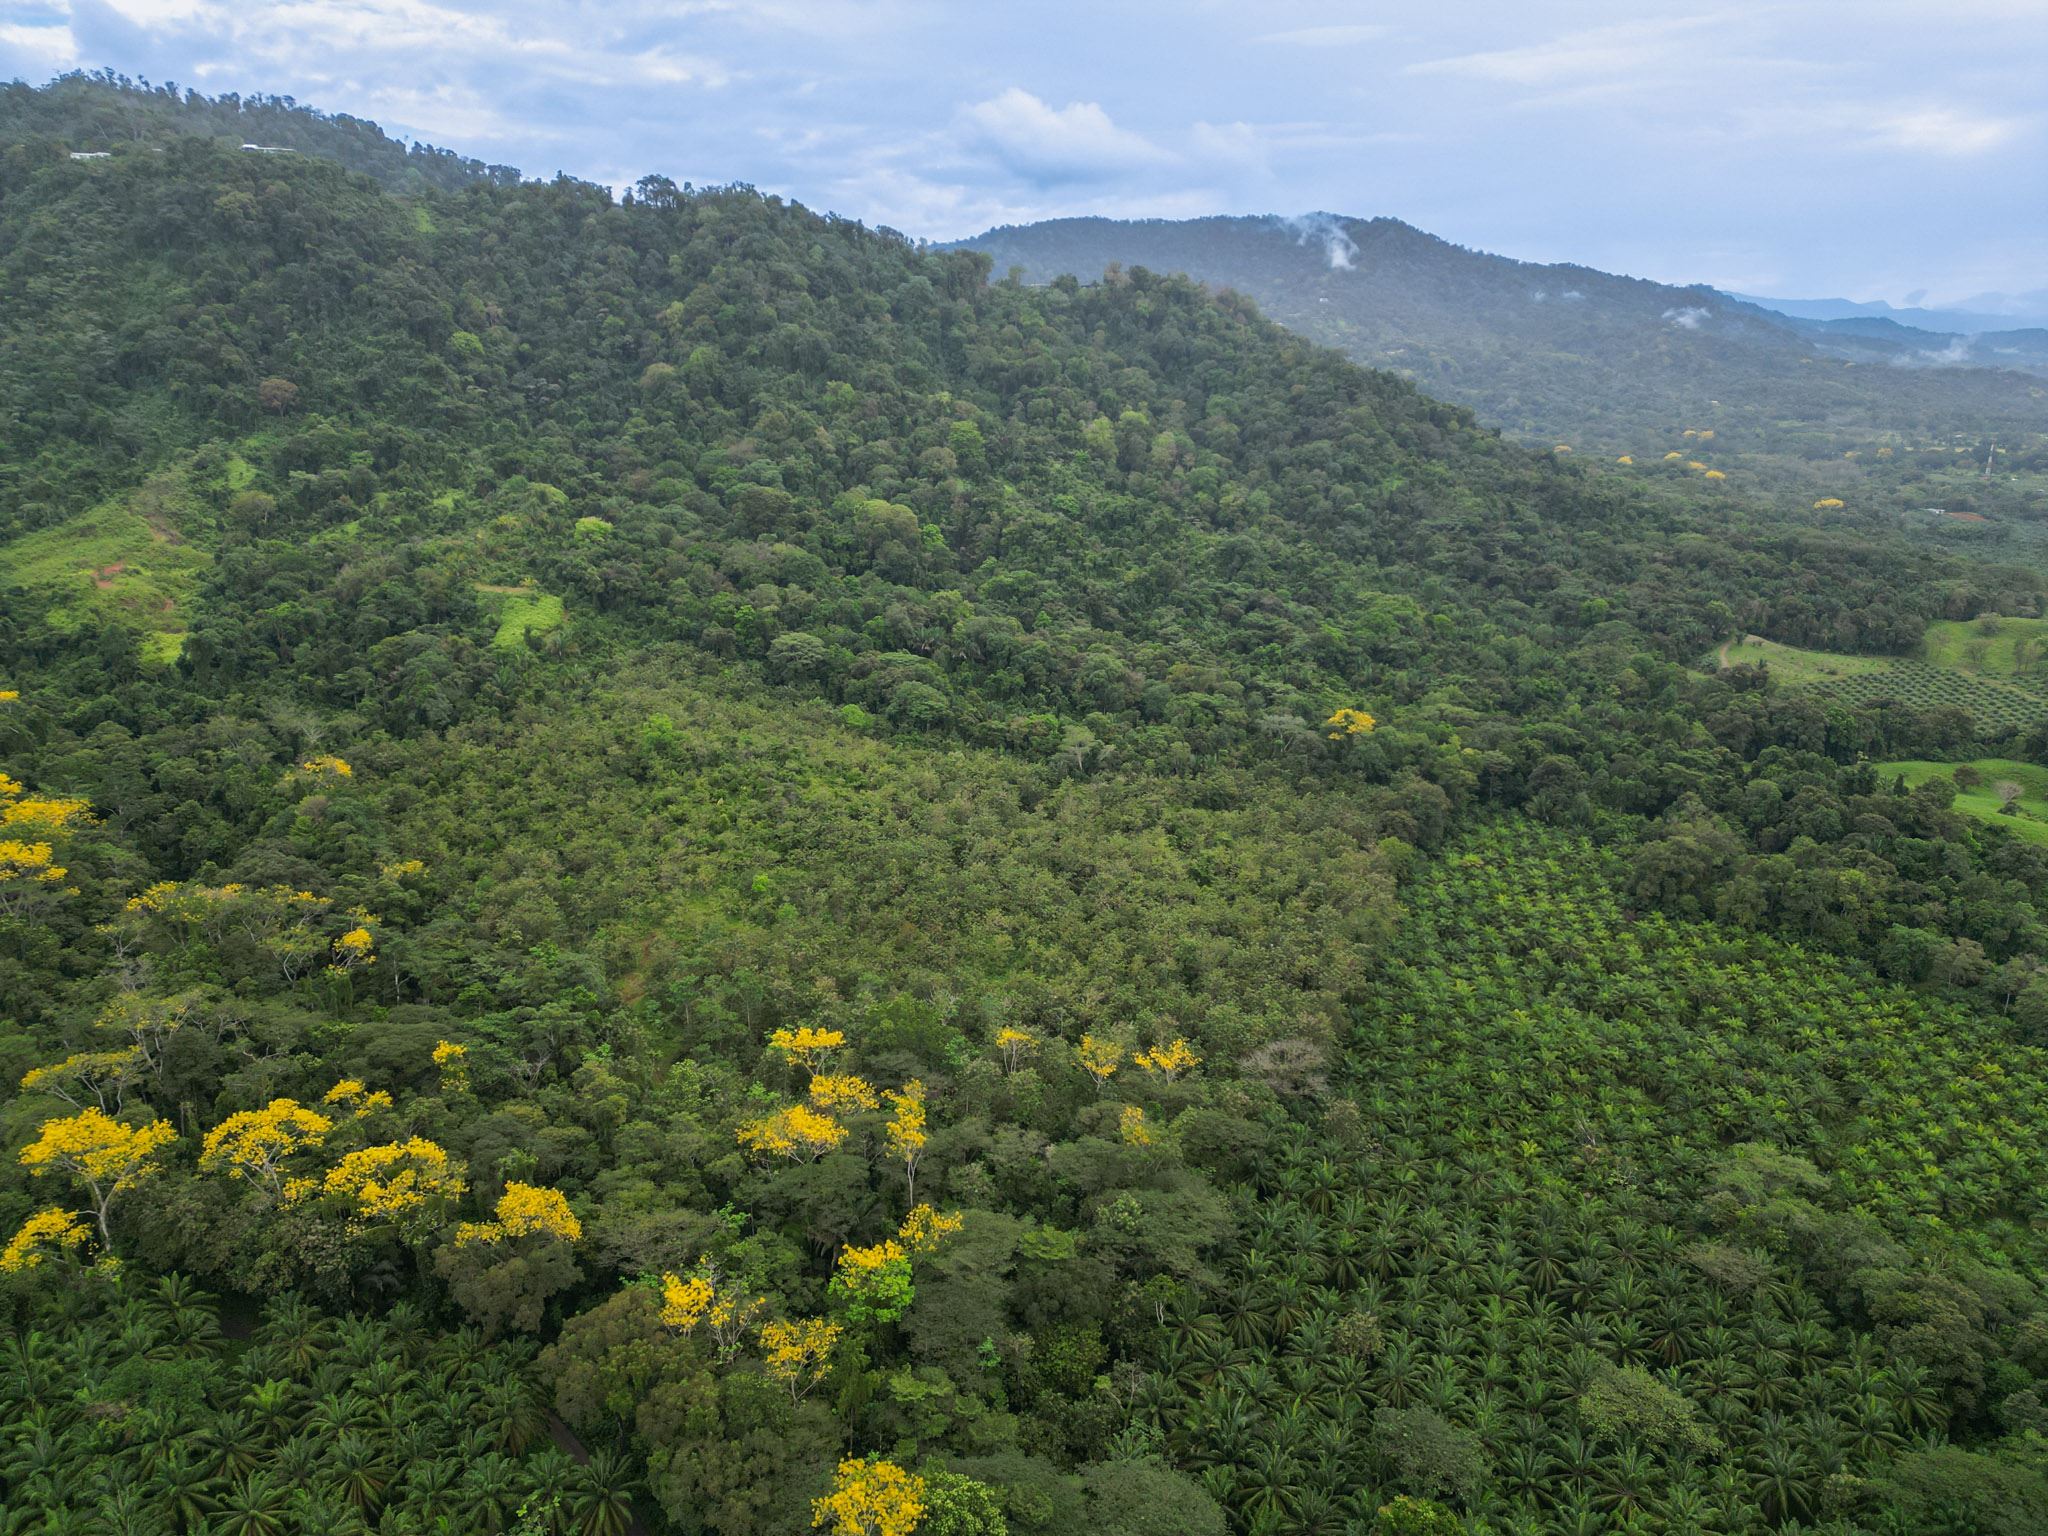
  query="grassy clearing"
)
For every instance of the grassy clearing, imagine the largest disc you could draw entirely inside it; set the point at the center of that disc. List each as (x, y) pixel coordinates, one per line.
(1982, 800)
(1990, 646)
(1794, 667)
(126, 560)
(521, 610)
(1995, 701)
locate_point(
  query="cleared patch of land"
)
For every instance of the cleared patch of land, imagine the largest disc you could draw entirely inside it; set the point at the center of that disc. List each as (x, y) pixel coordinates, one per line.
(1991, 646)
(1794, 667)
(520, 611)
(1982, 799)
(126, 561)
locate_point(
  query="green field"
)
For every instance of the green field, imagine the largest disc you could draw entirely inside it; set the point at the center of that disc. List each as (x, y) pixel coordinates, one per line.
(1990, 646)
(1982, 800)
(1796, 668)
(521, 610)
(125, 560)
(1994, 697)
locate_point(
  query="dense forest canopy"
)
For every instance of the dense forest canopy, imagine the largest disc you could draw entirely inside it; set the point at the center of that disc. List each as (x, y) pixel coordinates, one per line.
(665, 859)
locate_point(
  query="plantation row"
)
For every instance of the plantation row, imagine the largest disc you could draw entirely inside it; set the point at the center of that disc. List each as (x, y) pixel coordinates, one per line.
(1997, 705)
(1630, 1225)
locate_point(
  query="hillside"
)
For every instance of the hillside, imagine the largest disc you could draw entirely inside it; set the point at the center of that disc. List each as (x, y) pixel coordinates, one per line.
(1037, 908)
(1565, 354)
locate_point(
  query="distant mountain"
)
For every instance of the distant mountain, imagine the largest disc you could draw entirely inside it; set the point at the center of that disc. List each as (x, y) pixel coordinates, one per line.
(1563, 352)
(1998, 312)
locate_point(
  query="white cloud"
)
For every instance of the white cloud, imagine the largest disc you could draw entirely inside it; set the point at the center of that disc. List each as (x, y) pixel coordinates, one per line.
(49, 46)
(1944, 131)
(1690, 318)
(1633, 48)
(1077, 142)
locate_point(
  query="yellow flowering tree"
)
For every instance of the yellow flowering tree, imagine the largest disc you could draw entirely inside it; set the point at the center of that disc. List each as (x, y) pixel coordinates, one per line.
(104, 1077)
(870, 1497)
(806, 1047)
(33, 831)
(874, 1283)
(355, 950)
(797, 1354)
(1132, 1127)
(1169, 1060)
(406, 1183)
(101, 1153)
(525, 1210)
(702, 1300)
(906, 1131)
(255, 1144)
(325, 770)
(50, 1230)
(924, 1228)
(1346, 723)
(842, 1091)
(798, 1133)
(1099, 1058)
(453, 1060)
(1015, 1044)
(349, 1096)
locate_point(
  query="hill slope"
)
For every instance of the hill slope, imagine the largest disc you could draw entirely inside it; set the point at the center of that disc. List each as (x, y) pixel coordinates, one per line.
(797, 856)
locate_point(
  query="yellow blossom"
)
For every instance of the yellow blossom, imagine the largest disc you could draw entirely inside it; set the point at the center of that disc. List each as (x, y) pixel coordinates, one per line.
(51, 1228)
(724, 1312)
(1099, 1058)
(1015, 1044)
(399, 1181)
(924, 1228)
(255, 1143)
(101, 1153)
(1349, 722)
(351, 1095)
(453, 1060)
(806, 1047)
(1132, 1127)
(1169, 1060)
(525, 1210)
(842, 1090)
(797, 1132)
(797, 1354)
(906, 1130)
(870, 1498)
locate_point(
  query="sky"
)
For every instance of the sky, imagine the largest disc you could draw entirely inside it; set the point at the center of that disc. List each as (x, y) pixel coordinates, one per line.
(1870, 149)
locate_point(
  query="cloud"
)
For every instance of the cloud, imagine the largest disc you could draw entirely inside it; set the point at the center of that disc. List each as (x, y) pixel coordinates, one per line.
(1325, 37)
(1945, 131)
(1633, 48)
(48, 46)
(1048, 145)
(1690, 318)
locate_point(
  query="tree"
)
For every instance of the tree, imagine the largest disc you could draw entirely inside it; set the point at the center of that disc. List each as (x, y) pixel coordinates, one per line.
(255, 1144)
(106, 1156)
(277, 395)
(906, 1132)
(798, 1353)
(870, 1497)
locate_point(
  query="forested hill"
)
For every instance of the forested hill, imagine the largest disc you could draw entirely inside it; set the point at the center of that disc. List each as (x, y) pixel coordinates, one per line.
(97, 113)
(1565, 353)
(932, 905)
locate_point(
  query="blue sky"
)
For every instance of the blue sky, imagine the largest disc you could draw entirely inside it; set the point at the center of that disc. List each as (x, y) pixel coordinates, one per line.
(1869, 148)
